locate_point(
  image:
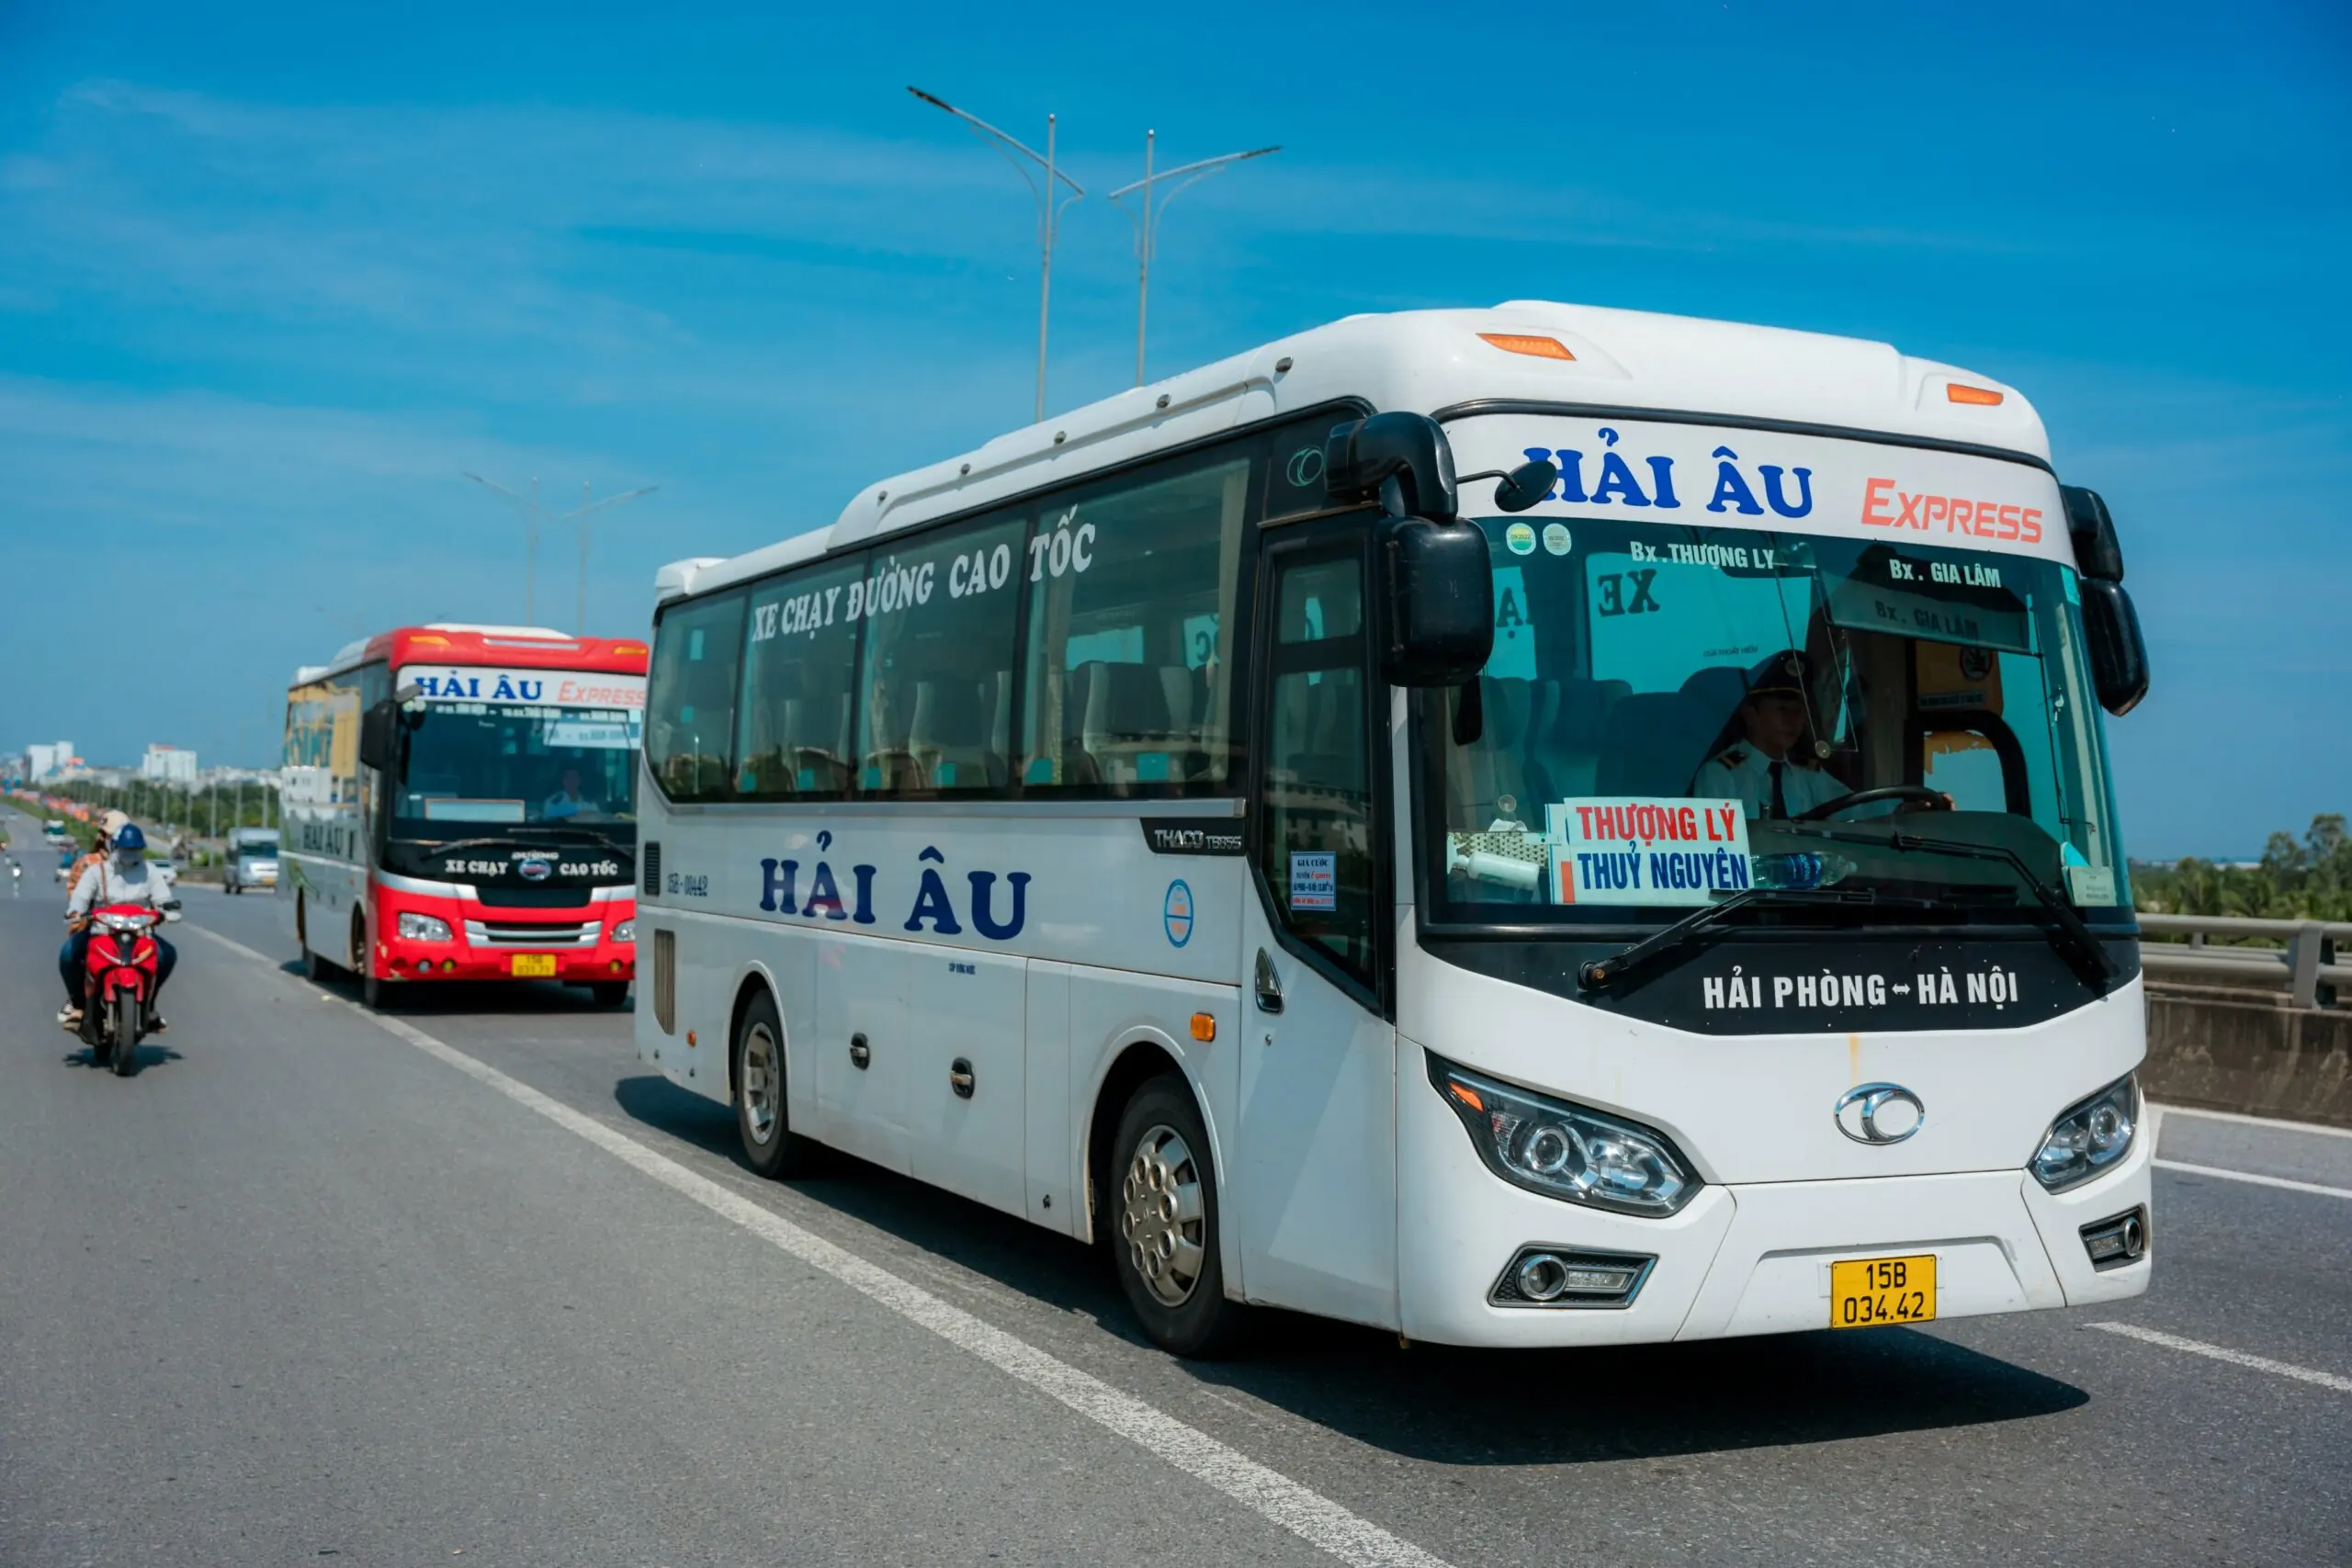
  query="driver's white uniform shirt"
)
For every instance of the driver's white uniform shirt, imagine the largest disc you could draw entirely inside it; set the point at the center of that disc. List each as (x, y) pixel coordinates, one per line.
(1745, 774)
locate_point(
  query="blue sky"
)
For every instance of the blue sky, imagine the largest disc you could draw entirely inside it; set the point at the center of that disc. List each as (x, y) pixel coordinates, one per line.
(271, 277)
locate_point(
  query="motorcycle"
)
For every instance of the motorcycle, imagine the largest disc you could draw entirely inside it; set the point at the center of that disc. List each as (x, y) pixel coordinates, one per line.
(118, 984)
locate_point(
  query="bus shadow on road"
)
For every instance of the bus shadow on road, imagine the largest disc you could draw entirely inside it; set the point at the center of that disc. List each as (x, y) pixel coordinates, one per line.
(1050, 1270)
(1436, 1403)
(1509, 1407)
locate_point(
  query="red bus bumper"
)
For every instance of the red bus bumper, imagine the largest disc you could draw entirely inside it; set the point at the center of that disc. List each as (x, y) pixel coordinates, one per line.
(583, 944)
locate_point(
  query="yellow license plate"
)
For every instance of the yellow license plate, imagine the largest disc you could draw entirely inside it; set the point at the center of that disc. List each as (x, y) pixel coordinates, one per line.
(541, 967)
(1870, 1292)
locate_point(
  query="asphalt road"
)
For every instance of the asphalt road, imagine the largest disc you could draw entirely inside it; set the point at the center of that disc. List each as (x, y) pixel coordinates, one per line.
(476, 1288)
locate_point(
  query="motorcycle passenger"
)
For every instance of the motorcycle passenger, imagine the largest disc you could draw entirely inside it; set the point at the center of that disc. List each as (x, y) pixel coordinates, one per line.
(123, 877)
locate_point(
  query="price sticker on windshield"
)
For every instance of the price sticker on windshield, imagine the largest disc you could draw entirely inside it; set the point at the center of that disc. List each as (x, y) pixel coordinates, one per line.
(1634, 850)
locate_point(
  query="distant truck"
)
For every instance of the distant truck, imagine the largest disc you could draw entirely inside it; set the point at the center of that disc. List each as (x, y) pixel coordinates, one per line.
(252, 860)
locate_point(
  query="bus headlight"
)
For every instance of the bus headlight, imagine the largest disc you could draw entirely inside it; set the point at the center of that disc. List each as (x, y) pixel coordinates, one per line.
(625, 931)
(2089, 1137)
(422, 927)
(1566, 1151)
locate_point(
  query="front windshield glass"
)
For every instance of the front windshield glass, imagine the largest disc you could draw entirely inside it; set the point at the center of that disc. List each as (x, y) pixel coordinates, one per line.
(471, 768)
(258, 849)
(1672, 714)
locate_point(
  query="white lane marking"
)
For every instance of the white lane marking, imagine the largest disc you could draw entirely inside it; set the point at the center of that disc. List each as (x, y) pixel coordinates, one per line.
(2222, 1353)
(1311, 1516)
(2274, 1122)
(2215, 1170)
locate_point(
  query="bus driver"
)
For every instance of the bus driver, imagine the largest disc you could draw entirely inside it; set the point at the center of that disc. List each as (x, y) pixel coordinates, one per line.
(1769, 772)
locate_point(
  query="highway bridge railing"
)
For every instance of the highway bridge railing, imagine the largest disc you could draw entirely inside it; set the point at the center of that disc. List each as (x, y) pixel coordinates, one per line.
(2301, 959)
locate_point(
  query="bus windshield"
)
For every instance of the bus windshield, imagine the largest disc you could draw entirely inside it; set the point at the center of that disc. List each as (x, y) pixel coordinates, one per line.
(1672, 714)
(469, 766)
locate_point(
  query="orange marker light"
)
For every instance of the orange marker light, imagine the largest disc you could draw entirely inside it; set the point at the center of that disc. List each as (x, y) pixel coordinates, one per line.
(428, 640)
(628, 649)
(1204, 1027)
(1524, 342)
(1983, 397)
(1466, 1095)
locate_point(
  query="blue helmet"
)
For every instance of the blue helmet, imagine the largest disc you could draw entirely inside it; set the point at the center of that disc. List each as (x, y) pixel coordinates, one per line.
(130, 837)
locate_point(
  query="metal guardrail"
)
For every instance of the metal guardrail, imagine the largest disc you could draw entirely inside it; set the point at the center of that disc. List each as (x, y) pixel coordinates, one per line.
(2305, 964)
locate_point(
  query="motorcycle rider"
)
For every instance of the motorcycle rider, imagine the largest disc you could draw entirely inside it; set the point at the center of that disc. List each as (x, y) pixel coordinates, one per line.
(123, 877)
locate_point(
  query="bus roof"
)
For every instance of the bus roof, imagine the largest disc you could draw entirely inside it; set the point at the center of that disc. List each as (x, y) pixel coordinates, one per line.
(1622, 364)
(460, 643)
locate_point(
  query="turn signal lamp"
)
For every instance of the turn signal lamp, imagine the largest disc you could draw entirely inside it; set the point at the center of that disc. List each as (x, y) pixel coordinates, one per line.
(428, 640)
(1535, 345)
(1204, 1027)
(1983, 397)
(633, 650)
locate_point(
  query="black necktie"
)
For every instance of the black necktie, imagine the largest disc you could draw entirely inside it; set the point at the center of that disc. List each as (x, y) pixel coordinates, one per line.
(1780, 801)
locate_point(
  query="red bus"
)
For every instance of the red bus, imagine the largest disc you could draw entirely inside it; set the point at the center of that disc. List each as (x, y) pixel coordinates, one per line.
(460, 804)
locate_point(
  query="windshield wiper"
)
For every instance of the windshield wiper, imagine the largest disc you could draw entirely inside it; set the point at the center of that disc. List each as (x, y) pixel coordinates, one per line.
(2075, 941)
(1599, 974)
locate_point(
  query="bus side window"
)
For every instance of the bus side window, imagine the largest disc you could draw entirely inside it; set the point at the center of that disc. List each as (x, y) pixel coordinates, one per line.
(1127, 674)
(690, 705)
(796, 734)
(935, 684)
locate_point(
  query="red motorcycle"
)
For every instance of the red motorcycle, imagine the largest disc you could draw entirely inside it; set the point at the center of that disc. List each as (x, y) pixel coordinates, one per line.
(118, 984)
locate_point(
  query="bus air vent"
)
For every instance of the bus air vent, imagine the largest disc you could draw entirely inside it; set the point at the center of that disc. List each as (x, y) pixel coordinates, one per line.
(653, 869)
(665, 981)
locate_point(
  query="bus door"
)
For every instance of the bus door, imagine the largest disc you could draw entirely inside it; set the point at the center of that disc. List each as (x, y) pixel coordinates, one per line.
(1315, 1176)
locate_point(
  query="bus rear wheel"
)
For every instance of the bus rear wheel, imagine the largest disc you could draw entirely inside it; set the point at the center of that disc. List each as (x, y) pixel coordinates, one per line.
(1162, 1230)
(762, 1116)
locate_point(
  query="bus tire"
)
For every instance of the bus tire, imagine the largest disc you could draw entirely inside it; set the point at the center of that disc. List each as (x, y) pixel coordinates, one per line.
(762, 1111)
(1162, 1218)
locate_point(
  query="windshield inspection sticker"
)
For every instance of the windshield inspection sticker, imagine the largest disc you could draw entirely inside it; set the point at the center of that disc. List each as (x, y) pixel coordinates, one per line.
(1314, 879)
(1555, 538)
(1627, 849)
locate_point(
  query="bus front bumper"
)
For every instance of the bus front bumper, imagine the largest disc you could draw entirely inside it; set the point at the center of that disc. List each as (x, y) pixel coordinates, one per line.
(604, 960)
(1739, 1259)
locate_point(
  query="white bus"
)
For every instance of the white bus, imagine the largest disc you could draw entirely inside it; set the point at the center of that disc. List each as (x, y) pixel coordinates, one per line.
(1665, 885)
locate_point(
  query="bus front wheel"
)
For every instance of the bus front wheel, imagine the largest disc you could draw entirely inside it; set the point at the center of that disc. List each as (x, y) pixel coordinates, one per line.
(1162, 1230)
(762, 1118)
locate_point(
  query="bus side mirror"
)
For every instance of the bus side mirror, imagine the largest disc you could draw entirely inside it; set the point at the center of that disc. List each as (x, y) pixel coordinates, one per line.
(1440, 591)
(1402, 460)
(376, 727)
(2097, 549)
(2117, 653)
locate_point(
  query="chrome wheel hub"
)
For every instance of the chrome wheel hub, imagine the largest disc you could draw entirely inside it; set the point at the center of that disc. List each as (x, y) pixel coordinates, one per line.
(762, 1084)
(1162, 1219)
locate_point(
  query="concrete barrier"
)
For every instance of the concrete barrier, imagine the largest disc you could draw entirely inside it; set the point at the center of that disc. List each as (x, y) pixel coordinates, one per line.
(2249, 1053)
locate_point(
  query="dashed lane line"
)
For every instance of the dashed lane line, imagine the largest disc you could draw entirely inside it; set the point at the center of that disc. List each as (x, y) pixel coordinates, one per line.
(1308, 1515)
(2224, 1353)
(2247, 1176)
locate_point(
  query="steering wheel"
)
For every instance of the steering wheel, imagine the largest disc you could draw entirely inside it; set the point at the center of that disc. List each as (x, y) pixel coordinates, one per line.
(1919, 794)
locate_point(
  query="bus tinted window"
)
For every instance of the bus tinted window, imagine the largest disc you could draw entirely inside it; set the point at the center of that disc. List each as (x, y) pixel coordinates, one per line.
(798, 731)
(1128, 669)
(690, 706)
(936, 696)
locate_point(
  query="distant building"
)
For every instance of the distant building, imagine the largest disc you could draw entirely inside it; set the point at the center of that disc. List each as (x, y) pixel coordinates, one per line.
(41, 761)
(168, 764)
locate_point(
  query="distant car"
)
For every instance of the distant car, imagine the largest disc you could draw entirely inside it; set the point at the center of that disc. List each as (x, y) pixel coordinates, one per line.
(252, 861)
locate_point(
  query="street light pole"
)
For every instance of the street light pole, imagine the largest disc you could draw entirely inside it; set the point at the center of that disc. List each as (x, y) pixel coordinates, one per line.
(579, 515)
(1146, 213)
(1050, 211)
(532, 513)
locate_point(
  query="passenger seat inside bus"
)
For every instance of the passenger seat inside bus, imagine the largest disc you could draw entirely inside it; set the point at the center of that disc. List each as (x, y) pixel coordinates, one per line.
(1128, 730)
(1572, 718)
(1655, 741)
(955, 730)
